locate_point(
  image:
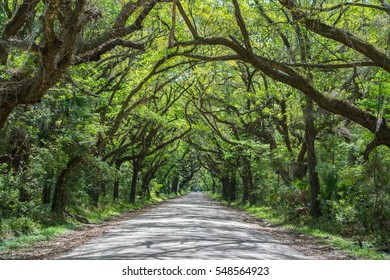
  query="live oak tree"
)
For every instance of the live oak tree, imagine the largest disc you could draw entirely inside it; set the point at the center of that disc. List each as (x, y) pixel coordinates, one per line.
(243, 45)
(54, 35)
(244, 48)
(281, 104)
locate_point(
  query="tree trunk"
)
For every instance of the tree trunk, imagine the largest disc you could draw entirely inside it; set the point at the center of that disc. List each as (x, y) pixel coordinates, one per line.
(24, 195)
(46, 194)
(310, 134)
(60, 195)
(232, 186)
(213, 186)
(186, 180)
(95, 195)
(136, 170)
(300, 166)
(145, 187)
(60, 192)
(245, 194)
(175, 184)
(247, 179)
(116, 182)
(104, 189)
(116, 190)
(225, 187)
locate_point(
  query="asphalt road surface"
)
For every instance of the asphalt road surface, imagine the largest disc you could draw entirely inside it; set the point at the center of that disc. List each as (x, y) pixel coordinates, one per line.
(189, 227)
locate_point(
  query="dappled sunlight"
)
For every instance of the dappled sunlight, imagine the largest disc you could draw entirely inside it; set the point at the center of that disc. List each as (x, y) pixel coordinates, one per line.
(190, 227)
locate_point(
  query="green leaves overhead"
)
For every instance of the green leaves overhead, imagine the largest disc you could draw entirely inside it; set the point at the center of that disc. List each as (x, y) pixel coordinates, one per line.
(253, 100)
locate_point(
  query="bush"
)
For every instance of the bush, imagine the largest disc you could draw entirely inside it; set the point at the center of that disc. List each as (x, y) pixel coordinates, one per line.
(5, 230)
(16, 227)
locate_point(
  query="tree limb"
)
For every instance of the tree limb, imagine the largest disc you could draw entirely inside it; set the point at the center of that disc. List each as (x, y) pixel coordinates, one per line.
(241, 24)
(119, 29)
(15, 24)
(333, 66)
(95, 54)
(384, 7)
(288, 76)
(317, 26)
(187, 20)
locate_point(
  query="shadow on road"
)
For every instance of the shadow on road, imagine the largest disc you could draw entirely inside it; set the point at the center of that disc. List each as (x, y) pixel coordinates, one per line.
(190, 227)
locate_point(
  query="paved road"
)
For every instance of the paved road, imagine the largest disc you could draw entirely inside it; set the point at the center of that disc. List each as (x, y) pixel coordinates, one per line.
(189, 227)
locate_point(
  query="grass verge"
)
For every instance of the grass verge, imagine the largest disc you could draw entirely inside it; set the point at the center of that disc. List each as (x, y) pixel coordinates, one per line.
(108, 211)
(43, 234)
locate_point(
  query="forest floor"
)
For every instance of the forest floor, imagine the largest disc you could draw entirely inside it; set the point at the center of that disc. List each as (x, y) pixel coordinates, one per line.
(189, 227)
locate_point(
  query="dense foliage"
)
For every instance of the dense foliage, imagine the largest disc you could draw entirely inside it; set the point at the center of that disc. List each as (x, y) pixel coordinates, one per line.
(283, 104)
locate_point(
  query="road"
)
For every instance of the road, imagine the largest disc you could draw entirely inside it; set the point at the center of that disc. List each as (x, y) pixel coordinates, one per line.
(189, 227)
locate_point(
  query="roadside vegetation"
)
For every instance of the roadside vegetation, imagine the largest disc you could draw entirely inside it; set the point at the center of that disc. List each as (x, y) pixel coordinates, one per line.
(281, 105)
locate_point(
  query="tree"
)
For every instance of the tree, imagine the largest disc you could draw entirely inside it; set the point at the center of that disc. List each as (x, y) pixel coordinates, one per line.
(67, 38)
(276, 104)
(285, 73)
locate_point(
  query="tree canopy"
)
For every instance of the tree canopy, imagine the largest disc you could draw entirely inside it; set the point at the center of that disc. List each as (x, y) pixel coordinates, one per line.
(275, 103)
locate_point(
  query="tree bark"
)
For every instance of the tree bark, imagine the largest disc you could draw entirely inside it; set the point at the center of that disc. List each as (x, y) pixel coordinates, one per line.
(232, 186)
(284, 74)
(95, 195)
(59, 45)
(145, 186)
(342, 36)
(247, 179)
(46, 194)
(300, 166)
(225, 187)
(116, 190)
(137, 163)
(175, 184)
(15, 24)
(310, 134)
(116, 182)
(60, 197)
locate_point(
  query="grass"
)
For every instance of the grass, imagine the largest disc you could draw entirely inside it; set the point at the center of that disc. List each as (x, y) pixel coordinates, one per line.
(105, 212)
(347, 245)
(324, 231)
(43, 234)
